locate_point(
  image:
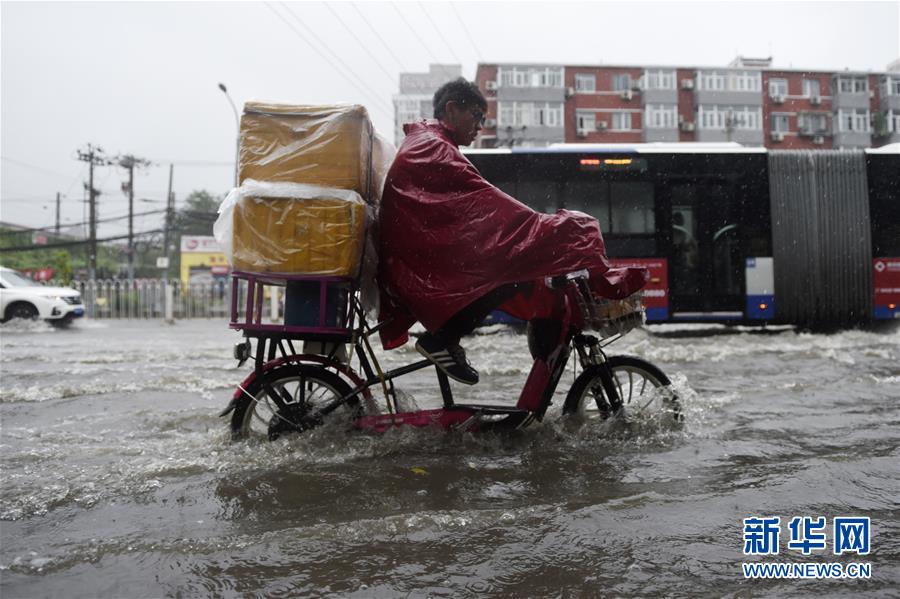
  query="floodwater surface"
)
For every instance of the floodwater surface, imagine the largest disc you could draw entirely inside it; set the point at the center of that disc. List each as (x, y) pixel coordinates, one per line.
(120, 480)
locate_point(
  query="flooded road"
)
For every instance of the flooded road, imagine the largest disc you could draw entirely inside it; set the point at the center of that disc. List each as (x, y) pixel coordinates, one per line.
(119, 479)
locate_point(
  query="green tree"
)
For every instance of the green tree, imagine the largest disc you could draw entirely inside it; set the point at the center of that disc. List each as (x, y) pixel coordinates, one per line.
(196, 217)
(198, 214)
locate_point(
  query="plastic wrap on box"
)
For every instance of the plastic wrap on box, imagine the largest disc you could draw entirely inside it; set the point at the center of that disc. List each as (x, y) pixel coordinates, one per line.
(329, 146)
(294, 228)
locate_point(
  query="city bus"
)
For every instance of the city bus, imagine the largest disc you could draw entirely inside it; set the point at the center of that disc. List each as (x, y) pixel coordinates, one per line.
(730, 234)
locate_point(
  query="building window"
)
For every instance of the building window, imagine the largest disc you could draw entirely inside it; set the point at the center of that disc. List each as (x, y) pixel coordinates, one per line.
(780, 123)
(529, 114)
(812, 123)
(730, 117)
(893, 121)
(530, 77)
(660, 116)
(853, 120)
(621, 82)
(585, 122)
(890, 86)
(811, 87)
(658, 79)
(778, 87)
(744, 81)
(621, 121)
(711, 81)
(585, 82)
(853, 85)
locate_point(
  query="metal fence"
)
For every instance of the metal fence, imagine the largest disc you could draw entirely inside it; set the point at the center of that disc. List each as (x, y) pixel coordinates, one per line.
(146, 298)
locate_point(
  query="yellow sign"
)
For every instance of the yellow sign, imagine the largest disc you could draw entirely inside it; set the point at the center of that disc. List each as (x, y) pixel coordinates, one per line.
(201, 260)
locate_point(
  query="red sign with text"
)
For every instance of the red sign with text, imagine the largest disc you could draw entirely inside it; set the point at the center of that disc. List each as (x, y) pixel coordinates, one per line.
(656, 293)
(886, 281)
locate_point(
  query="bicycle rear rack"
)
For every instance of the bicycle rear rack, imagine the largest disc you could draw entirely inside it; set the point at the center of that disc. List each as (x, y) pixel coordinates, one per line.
(315, 308)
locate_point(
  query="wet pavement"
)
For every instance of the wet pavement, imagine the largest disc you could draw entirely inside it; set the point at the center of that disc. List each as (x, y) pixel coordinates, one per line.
(120, 480)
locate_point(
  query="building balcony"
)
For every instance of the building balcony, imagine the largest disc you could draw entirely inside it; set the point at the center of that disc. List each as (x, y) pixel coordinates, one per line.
(659, 96)
(531, 94)
(660, 134)
(851, 101)
(747, 137)
(891, 102)
(852, 139)
(728, 98)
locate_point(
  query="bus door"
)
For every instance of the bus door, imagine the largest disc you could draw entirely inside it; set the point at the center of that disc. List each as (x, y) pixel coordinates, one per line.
(706, 265)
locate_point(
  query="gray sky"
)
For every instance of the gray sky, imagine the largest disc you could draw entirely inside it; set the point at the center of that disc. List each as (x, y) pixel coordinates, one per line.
(141, 77)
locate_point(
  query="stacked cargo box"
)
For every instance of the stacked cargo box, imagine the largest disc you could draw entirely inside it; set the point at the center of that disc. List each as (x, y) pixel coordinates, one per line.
(304, 225)
(305, 204)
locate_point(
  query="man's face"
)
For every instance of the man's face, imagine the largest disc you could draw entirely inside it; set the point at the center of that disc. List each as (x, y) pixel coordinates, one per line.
(464, 121)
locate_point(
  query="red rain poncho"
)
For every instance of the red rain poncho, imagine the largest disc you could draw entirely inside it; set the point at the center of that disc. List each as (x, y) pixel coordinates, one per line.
(449, 237)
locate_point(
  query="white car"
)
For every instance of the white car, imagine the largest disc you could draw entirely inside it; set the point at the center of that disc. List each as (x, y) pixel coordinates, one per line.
(20, 297)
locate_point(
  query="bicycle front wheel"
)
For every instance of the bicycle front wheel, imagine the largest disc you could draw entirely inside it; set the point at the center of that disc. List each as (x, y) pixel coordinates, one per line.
(623, 381)
(302, 389)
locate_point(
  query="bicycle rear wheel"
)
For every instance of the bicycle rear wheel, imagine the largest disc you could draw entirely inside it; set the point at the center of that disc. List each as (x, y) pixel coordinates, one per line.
(624, 381)
(303, 389)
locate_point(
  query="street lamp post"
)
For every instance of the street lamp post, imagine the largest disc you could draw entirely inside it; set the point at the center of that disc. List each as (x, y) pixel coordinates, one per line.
(237, 120)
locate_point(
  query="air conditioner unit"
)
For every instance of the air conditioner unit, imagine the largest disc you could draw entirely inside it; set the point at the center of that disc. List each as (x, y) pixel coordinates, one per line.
(490, 123)
(819, 140)
(601, 125)
(627, 94)
(815, 100)
(570, 91)
(777, 136)
(581, 133)
(687, 126)
(490, 85)
(806, 131)
(871, 93)
(778, 98)
(687, 84)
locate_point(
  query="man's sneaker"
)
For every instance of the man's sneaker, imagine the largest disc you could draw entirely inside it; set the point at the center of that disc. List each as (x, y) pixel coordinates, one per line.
(452, 360)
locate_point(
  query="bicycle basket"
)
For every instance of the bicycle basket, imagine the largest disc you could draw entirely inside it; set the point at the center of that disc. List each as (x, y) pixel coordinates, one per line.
(610, 317)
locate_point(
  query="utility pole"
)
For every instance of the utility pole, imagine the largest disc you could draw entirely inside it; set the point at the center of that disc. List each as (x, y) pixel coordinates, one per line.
(94, 157)
(170, 212)
(57, 214)
(128, 161)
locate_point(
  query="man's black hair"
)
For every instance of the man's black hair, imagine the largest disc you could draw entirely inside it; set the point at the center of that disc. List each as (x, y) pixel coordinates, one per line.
(464, 93)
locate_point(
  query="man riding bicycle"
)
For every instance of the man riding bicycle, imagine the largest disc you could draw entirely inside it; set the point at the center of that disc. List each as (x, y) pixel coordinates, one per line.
(453, 247)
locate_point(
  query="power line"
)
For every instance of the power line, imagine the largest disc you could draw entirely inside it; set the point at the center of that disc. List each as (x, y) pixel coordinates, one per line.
(466, 31)
(100, 220)
(374, 94)
(361, 45)
(440, 33)
(38, 168)
(378, 35)
(327, 59)
(24, 248)
(416, 34)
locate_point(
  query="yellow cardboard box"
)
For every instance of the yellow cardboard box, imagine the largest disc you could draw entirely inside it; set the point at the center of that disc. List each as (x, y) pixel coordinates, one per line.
(330, 146)
(316, 236)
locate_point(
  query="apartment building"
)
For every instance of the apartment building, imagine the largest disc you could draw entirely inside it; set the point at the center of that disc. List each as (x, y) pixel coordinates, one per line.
(747, 102)
(414, 102)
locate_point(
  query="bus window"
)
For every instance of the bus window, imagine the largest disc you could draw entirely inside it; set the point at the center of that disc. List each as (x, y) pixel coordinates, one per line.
(540, 195)
(589, 196)
(506, 186)
(632, 207)
(684, 276)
